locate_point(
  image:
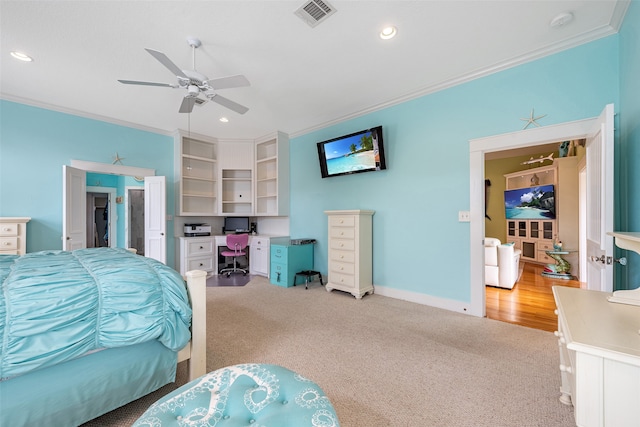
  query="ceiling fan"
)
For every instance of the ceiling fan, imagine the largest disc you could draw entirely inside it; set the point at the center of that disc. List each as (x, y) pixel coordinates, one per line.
(196, 83)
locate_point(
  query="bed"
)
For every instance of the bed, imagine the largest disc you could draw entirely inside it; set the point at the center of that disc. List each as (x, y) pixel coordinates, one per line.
(85, 332)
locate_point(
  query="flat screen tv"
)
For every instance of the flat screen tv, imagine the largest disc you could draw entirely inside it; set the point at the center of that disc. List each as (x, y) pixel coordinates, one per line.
(361, 151)
(236, 224)
(530, 203)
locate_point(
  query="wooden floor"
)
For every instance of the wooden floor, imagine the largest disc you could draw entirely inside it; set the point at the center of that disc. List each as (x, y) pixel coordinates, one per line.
(530, 303)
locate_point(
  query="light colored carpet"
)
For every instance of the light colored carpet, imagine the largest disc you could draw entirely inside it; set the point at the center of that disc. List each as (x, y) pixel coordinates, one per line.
(384, 362)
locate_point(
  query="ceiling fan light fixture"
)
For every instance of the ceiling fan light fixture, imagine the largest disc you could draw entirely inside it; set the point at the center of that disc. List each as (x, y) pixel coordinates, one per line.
(193, 91)
(21, 56)
(388, 32)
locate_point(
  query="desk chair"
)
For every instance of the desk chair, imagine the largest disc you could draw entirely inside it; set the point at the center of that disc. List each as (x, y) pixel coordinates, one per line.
(236, 243)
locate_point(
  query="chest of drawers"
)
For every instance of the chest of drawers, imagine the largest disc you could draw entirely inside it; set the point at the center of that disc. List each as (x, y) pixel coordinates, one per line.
(13, 235)
(350, 255)
(196, 253)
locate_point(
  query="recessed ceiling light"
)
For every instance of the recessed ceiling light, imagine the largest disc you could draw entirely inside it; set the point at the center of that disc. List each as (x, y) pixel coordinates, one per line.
(561, 20)
(21, 56)
(224, 120)
(388, 32)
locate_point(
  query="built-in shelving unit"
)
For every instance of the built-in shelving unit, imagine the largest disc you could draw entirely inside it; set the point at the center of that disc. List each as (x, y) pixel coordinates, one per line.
(196, 173)
(532, 236)
(237, 197)
(216, 177)
(272, 180)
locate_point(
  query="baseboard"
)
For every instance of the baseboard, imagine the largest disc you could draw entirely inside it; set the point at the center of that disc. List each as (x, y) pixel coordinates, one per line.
(418, 298)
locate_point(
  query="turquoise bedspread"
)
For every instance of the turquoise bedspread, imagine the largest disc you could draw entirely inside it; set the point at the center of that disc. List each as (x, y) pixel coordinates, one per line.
(56, 306)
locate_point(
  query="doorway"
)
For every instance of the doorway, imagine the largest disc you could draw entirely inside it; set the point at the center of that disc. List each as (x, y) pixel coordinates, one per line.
(101, 221)
(561, 132)
(135, 219)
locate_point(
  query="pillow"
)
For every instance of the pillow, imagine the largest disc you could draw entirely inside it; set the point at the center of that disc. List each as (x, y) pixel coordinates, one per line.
(509, 244)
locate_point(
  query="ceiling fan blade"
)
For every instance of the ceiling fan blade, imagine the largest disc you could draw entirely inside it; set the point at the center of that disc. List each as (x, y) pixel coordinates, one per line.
(134, 82)
(228, 82)
(164, 60)
(187, 104)
(225, 102)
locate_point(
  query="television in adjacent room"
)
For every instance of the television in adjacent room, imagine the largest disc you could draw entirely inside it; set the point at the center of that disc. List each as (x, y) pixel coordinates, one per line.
(357, 152)
(236, 224)
(537, 202)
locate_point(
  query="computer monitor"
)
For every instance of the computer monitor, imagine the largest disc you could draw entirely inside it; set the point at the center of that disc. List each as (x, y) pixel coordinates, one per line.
(236, 224)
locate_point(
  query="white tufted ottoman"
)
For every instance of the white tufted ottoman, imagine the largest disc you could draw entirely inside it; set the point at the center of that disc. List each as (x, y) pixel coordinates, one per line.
(242, 395)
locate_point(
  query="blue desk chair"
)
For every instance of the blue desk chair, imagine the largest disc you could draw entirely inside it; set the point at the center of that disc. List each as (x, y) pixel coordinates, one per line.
(236, 245)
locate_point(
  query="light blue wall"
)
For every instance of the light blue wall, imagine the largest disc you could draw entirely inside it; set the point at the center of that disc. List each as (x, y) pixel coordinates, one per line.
(35, 143)
(629, 125)
(419, 245)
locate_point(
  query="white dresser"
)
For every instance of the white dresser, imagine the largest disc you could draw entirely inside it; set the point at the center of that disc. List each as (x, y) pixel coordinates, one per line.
(350, 253)
(13, 235)
(599, 345)
(197, 253)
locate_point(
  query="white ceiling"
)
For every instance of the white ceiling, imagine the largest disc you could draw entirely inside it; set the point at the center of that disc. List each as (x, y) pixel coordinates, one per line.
(301, 78)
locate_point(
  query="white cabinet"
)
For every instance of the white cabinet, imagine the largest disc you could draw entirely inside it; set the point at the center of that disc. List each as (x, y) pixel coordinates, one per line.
(272, 175)
(599, 357)
(351, 251)
(197, 253)
(236, 178)
(13, 235)
(533, 237)
(196, 172)
(259, 255)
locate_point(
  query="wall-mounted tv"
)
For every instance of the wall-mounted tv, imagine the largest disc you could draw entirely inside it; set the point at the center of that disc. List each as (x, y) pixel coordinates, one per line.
(361, 151)
(530, 203)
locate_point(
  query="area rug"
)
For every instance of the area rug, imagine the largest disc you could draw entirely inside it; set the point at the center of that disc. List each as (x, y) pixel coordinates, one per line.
(233, 280)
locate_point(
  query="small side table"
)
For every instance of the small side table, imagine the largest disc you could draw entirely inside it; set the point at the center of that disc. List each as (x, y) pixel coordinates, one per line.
(561, 269)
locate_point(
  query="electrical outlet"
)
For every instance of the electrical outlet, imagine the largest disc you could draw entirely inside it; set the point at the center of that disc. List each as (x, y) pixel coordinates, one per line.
(463, 216)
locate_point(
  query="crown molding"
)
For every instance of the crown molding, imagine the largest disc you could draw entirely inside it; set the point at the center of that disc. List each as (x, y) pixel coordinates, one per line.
(580, 39)
(83, 114)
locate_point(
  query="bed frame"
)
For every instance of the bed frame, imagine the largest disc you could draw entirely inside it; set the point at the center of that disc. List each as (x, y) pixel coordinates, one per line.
(196, 350)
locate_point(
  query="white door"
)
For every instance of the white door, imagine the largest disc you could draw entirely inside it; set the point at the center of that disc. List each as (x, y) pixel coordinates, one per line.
(599, 211)
(155, 224)
(74, 205)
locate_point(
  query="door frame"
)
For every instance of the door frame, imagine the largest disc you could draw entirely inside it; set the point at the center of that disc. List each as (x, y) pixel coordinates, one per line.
(477, 148)
(104, 168)
(127, 209)
(113, 217)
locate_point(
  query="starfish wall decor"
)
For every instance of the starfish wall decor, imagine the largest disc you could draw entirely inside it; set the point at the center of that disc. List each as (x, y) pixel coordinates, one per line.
(531, 120)
(117, 159)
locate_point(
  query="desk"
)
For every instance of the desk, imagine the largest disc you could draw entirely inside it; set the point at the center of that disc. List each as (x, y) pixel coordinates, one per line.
(599, 357)
(257, 253)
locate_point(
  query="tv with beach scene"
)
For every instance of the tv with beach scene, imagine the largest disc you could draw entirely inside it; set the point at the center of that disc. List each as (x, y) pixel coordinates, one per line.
(537, 202)
(357, 152)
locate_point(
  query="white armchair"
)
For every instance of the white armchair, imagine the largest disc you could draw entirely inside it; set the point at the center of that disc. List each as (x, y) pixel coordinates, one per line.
(501, 263)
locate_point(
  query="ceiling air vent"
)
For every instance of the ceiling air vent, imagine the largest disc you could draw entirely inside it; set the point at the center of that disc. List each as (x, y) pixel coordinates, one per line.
(314, 12)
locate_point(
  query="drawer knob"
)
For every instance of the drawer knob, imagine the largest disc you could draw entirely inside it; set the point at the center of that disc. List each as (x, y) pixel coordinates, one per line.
(201, 247)
(201, 264)
(6, 229)
(6, 243)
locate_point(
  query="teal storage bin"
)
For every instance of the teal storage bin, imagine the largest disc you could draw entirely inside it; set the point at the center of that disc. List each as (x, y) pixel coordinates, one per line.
(287, 260)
